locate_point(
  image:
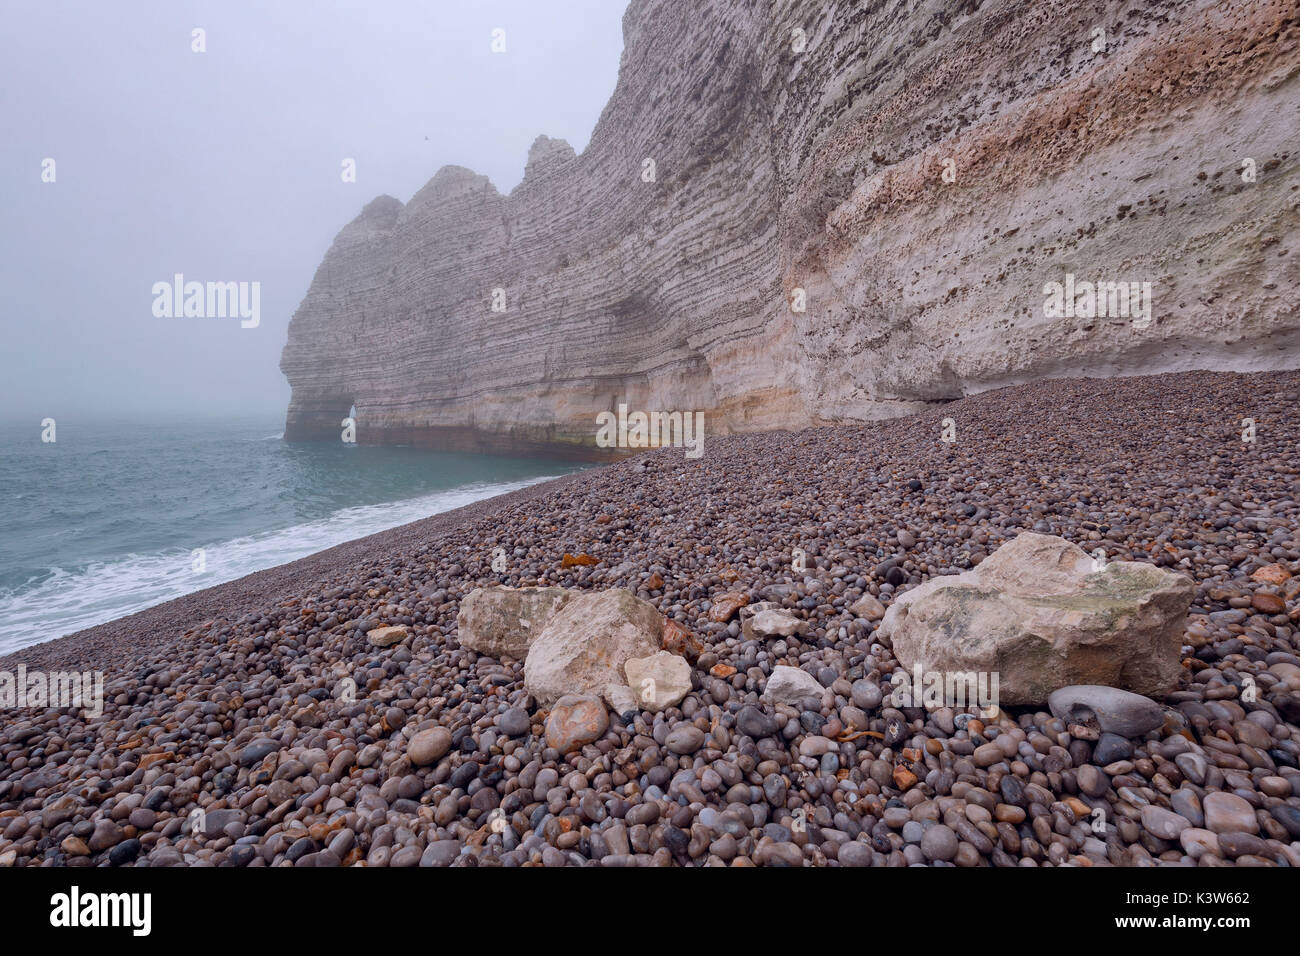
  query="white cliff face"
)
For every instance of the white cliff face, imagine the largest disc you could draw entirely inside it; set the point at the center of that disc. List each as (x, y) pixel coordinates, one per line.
(922, 174)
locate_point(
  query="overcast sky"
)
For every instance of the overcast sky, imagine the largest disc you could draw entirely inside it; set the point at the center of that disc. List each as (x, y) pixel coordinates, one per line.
(225, 165)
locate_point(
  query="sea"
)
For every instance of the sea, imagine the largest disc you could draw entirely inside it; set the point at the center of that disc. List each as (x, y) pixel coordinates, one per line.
(114, 517)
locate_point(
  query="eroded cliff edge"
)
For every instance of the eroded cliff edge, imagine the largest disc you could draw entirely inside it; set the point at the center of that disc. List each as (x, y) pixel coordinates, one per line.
(822, 169)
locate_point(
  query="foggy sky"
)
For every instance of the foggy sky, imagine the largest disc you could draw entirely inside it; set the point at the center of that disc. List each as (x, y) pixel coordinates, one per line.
(225, 166)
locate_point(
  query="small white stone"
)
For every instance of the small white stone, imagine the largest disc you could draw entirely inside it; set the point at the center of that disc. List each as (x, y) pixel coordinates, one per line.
(658, 681)
(777, 624)
(790, 685)
(386, 636)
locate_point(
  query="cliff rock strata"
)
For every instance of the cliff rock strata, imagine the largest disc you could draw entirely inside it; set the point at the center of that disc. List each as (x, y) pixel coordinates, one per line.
(822, 169)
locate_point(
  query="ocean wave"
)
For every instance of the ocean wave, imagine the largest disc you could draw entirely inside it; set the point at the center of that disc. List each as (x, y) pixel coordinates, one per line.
(65, 601)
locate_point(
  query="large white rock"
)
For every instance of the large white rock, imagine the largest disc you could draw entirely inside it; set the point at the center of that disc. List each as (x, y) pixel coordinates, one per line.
(504, 622)
(659, 681)
(586, 643)
(1041, 614)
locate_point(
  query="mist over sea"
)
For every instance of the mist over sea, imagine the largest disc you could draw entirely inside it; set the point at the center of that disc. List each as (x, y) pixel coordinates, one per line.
(112, 518)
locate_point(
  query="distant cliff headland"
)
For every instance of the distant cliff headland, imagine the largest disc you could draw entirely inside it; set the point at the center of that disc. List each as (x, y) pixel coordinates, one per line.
(799, 213)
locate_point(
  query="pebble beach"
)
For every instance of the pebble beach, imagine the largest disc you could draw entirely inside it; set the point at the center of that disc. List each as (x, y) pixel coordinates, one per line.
(262, 705)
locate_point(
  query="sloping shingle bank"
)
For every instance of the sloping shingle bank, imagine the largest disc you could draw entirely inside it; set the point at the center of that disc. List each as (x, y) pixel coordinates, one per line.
(234, 701)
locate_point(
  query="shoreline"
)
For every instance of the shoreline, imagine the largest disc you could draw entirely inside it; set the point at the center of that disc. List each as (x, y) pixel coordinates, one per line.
(155, 625)
(294, 578)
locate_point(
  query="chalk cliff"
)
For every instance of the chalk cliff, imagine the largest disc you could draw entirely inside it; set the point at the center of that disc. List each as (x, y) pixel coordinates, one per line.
(920, 170)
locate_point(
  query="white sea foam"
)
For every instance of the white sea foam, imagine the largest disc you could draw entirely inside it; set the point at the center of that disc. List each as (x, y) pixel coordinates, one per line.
(68, 601)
